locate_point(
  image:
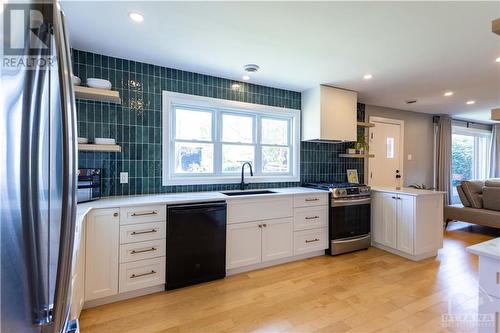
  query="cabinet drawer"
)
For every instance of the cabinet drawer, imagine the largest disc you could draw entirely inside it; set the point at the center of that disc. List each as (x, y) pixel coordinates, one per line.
(310, 218)
(141, 232)
(142, 274)
(142, 250)
(310, 240)
(142, 214)
(247, 210)
(312, 199)
(489, 276)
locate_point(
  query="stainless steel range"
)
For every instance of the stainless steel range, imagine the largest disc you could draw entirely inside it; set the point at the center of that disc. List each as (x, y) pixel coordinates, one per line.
(349, 218)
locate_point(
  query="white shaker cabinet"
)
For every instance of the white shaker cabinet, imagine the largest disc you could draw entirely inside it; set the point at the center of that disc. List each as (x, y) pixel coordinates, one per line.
(277, 239)
(244, 244)
(102, 252)
(408, 222)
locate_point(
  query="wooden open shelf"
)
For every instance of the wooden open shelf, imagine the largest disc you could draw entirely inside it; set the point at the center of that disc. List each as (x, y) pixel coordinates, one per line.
(103, 148)
(94, 94)
(364, 124)
(357, 155)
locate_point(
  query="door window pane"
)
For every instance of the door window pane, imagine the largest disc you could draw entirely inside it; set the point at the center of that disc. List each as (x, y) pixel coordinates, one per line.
(193, 125)
(274, 131)
(237, 128)
(192, 157)
(275, 159)
(233, 156)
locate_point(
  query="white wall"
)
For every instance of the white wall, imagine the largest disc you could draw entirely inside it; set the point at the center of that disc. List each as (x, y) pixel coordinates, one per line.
(418, 141)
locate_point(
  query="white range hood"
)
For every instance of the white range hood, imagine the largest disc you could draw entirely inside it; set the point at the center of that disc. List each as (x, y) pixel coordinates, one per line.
(329, 114)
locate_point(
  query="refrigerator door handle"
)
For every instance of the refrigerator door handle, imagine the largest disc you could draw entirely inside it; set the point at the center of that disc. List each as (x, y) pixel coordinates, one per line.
(63, 285)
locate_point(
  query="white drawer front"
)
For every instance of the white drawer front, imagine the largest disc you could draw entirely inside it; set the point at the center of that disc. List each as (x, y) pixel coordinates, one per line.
(310, 240)
(143, 214)
(142, 274)
(489, 276)
(310, 218)
(142, 250)
(313, 199)
(142, 232)
(246, 210)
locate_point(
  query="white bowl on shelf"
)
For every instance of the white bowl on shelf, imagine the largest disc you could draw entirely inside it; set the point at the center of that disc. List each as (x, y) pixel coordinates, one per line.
(98, 83)
(76, 80)
(104, 141)
(83, 140)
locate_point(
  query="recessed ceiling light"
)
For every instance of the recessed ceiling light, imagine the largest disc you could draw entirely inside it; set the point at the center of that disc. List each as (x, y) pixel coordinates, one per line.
(448, 93)
(245, 77)
(497, 59)
(367, 76)
(235, 86)
(136, 17)
(470, 102)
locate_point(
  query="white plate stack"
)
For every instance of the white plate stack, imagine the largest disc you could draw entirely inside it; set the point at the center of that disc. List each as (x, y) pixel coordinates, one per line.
(104, 141)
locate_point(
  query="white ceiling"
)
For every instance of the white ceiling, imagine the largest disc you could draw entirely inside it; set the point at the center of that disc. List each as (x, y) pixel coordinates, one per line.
(413, 49)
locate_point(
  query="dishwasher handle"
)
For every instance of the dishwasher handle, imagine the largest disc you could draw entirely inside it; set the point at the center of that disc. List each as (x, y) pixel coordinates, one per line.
(189, 208)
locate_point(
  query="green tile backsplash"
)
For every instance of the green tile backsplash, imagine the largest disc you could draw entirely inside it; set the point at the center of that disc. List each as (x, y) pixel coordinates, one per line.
(136, 124)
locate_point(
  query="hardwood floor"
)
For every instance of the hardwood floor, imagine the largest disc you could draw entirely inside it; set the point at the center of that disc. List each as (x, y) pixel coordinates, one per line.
(365, 291)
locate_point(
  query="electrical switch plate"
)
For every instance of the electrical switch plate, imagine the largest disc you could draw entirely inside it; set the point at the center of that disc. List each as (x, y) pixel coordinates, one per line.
(123, 177)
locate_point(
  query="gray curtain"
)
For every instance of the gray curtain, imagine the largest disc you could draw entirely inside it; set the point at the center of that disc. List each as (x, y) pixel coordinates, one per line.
(443, 157)
(495, 152)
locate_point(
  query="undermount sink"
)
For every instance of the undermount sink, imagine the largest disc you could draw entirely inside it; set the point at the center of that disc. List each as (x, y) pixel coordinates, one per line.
(256, 192)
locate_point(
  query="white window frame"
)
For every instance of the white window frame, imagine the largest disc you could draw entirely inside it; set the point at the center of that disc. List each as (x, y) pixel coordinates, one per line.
(221, 106)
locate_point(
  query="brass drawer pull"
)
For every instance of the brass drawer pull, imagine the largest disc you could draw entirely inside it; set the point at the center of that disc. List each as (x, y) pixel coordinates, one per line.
(143, 232)
(154, 212)
(142, 251)
(133, 276)
(312, 199)
(312, 241)
(312, 217)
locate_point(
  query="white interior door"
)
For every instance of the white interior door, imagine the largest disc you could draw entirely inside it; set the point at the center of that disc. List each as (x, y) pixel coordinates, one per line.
(386, 143)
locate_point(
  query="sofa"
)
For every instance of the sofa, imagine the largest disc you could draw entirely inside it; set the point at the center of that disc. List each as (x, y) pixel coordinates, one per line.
(480, 203)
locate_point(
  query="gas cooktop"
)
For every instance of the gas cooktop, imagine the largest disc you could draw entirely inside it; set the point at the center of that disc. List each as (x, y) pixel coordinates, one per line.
(343, 190)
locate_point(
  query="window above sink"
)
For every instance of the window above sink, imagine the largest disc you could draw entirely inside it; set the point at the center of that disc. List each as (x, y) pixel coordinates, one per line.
(206, 140)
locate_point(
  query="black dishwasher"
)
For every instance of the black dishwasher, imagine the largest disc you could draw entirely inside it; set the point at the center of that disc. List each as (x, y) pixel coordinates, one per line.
(196, 243)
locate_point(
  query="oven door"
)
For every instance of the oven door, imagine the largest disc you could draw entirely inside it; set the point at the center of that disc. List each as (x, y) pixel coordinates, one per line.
(349, 218)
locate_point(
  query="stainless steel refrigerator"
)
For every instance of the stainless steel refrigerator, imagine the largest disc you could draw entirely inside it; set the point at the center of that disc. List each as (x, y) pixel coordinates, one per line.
(37, 170)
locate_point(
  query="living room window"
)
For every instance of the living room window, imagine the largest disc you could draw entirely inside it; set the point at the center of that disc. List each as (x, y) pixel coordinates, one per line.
(470, 154)
(206, 140)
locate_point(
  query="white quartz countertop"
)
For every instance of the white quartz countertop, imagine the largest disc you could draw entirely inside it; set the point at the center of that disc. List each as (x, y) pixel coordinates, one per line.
(406, 190)
(489, 248)
(179, 198)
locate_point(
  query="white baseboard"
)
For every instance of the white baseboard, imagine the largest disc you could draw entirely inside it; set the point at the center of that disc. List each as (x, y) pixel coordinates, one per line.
(417, 257)
(123, 296)
(266, 264)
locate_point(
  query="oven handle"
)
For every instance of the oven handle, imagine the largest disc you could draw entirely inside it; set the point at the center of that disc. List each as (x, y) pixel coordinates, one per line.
(350, 202)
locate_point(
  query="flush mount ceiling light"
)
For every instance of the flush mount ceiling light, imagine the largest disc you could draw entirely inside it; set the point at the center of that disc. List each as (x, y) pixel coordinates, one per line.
(367, 76)
(136, 17)
(448, 93)
(497, 59)
(245, 77)
(470, 102)
(251, 68)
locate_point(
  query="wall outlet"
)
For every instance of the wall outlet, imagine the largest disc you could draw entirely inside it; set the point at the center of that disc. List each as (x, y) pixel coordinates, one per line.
(410, 157)
(123, 177)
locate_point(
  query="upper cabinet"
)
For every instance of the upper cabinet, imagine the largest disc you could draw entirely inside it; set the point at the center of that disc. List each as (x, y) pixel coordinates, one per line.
(329, 114)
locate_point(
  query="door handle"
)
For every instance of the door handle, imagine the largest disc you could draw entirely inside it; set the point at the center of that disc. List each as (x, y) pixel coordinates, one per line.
(143, 251)
(312, 240)
(312, 199)
(134, 276)
(143, 232)
(146, 213)
(312, 217)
